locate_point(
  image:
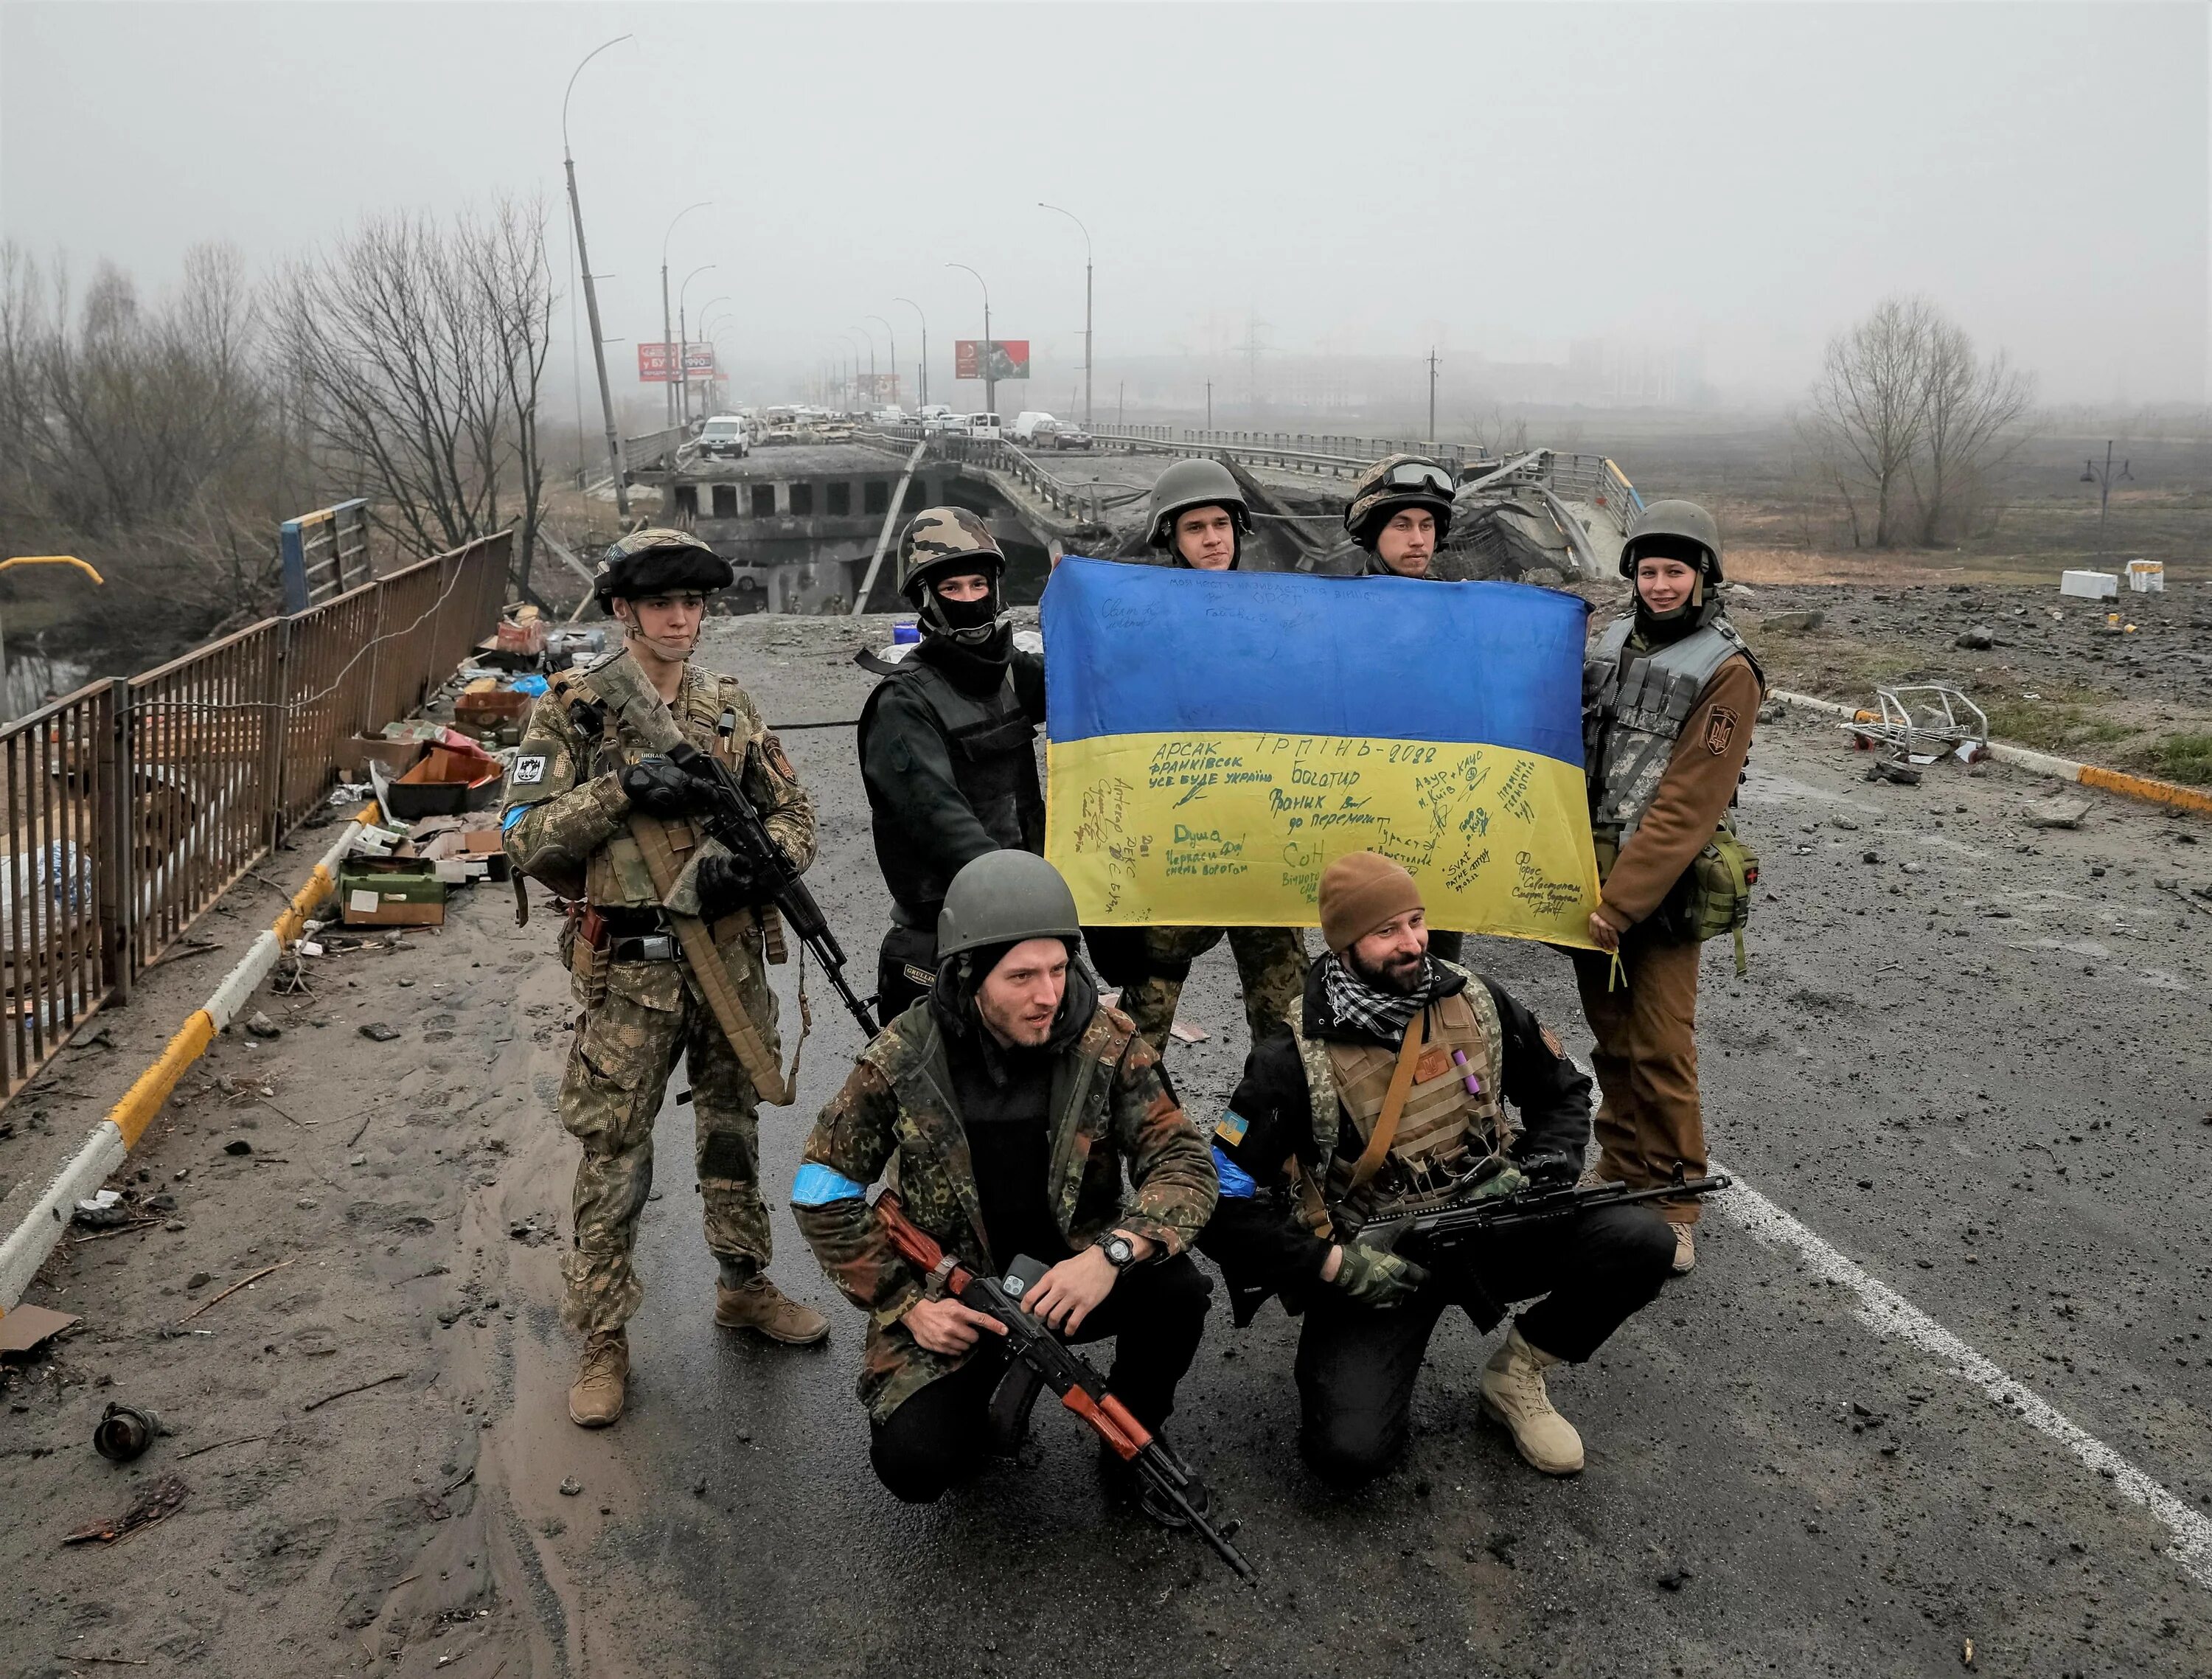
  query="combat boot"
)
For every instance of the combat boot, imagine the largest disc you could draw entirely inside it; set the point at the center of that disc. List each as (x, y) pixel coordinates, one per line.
(759, 1305)
(1685, 1251)
(1513, 1394)
(596, 1399)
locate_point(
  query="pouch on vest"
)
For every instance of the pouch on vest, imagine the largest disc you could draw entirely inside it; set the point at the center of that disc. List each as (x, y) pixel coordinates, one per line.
(1713, 897)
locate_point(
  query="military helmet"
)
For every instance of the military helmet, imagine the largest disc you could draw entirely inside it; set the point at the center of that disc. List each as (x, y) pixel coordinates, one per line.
(946, 541)
(1676, 530)
(1193, 484)
(656, 560)
(1003, 898)
(1392, 485)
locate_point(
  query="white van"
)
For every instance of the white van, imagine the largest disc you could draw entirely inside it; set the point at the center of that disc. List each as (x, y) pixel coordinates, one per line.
(727, 435)
(985, 425)
(1029, 422)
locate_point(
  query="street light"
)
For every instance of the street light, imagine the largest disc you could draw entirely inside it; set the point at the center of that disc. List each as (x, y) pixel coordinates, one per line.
(852, 394)
(893, 336)
(990, 375)
(684, 340)
(1072, 216)
(591, 292)
(667, 321)
(2104, 479)
(921, 368)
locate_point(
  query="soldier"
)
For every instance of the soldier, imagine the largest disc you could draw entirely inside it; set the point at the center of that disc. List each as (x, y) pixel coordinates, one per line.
(1199, 516)
(947, 740)
(593, 816)
(1387, 1095)
(1007, 1102)
(1669, 694)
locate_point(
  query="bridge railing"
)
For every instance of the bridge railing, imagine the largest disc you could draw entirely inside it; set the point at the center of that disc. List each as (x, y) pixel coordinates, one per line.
(131, 806)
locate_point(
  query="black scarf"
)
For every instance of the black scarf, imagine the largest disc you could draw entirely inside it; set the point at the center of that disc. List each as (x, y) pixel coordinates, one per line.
(976, 671)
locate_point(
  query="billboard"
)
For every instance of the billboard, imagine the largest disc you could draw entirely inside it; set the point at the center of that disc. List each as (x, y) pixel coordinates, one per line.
(877, 387)
(653, 360)
(1009, 358)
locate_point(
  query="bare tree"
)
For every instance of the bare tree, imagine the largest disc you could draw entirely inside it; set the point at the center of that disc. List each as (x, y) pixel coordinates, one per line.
(417, 351)
(1974, 415)
(1870, 410)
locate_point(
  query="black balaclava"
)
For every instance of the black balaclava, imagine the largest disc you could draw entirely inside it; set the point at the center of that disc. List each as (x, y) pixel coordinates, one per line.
(969, 640)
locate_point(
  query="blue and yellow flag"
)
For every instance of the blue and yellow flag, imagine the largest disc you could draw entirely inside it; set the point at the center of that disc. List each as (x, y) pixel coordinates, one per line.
(1216, 738)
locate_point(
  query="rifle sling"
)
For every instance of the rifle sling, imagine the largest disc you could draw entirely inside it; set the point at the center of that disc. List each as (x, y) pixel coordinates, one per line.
(1393, 1101)
(712, 974)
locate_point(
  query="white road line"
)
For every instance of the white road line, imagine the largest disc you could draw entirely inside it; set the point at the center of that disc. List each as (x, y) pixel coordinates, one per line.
(1887, 1312)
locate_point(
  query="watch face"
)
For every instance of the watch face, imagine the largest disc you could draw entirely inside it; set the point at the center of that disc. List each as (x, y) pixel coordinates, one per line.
(1118, 1250)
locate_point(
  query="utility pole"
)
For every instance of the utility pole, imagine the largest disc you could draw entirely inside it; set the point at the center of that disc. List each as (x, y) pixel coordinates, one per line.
(592, 293)
(1120, 401)
(1209, 405)
(2103, 480)
(683, 345)
(1072, 216)
(893, 336)
(1432, 439)
(922, 369)
(990, 371)
(667, 320)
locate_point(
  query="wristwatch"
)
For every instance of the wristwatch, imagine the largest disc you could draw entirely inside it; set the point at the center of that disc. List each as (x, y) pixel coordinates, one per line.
(1121, 1252)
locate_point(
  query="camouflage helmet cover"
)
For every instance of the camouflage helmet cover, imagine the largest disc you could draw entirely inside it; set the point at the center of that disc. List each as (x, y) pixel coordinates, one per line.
(1675, 528)
(1376, 499)
(1193, 484)
(941, 541)
(655, 561)
(1003, 898)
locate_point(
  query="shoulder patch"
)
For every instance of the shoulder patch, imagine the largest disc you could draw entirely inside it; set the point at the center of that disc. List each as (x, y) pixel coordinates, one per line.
(772, 750)
(1720, 729)
(1551, 1042)
(1232, 1126)
(528, 771)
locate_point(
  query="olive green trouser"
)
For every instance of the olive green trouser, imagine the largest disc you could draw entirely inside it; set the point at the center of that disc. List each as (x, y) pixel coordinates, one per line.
(1271, 966)
(1646, 1062)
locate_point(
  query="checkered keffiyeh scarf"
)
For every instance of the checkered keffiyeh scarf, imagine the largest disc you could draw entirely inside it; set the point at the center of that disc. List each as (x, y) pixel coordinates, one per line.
(1386, 1014)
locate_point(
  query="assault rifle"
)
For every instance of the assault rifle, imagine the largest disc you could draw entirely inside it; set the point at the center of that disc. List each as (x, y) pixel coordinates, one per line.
(729, 816)
(1080, 1387)
(1429, 1235)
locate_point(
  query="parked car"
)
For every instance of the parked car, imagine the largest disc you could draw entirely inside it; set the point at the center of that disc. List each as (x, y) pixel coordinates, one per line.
(1029, 422)
(1068, 437)
(786, 433)
(726, 435)
(945, 421)
(834, 431)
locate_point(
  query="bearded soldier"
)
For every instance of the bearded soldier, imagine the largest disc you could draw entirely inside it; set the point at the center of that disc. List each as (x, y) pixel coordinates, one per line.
(947, 740)
(603, 822)
(1199, 517)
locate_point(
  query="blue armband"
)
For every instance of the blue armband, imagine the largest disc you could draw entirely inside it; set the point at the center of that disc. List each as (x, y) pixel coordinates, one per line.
(512, 817)
(818, 1185)
(1237, 1184)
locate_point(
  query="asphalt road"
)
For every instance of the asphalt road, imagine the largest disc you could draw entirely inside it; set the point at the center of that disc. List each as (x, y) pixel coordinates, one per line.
(1971, 1083)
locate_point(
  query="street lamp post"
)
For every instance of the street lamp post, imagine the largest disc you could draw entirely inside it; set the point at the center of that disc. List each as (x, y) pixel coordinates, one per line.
(921, 368)
(893, 336)
(990, 375)
(591, 292)
(706, 314)
(667, 321)
(683, 343)
(1072, 216)
(2105, 478)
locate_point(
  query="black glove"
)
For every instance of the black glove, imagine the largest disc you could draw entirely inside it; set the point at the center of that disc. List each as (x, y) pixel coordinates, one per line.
(1548, 1171)
(659, 788)
(728, 883)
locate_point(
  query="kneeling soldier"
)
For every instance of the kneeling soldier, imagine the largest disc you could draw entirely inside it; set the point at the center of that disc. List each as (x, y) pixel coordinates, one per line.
(593, 816)
(1388, 1096)
(1009, 1099)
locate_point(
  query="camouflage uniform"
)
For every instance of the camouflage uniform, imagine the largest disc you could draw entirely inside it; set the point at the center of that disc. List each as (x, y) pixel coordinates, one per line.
(567, 823)
(896, 1110)
(1271, 968)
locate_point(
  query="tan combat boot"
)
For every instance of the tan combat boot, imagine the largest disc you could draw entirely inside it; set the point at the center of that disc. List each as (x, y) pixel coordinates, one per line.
(596, 1400)
(1513, 1394)
(766, 1309)
(1685, 1251)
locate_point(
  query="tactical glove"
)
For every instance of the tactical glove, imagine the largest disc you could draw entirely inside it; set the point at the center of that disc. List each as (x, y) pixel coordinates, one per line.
(660, 788)
(1508, 1180)
(1377, 1278)
(727, 883)
(1548, 1170)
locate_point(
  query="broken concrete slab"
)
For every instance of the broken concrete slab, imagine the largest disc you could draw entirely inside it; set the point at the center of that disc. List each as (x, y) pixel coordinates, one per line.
(2059, 813)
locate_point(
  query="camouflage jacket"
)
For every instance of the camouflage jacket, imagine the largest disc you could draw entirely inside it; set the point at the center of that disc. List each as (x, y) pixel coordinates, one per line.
(1110, 1104)
(565, 819)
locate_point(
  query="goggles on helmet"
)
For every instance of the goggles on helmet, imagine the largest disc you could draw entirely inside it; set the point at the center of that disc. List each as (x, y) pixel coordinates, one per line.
(1420, 475)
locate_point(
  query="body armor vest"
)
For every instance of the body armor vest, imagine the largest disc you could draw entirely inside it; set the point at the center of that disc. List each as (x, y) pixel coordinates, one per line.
(991, 743)
(1443, 1129)
(1631, 718)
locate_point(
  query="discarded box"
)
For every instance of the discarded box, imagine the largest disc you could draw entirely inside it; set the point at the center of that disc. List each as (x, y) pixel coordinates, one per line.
(390, 891)
(444, 782)
(490, 708)
(2089, 585)
(2147, 576)
(484, 845)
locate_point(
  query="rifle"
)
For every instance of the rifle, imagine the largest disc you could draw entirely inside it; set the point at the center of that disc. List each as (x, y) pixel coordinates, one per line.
(729, 816)
(1434, 1234)
(1080, 1387)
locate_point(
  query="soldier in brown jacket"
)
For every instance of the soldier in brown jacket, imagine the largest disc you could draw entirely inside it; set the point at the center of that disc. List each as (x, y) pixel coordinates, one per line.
(1670, 694)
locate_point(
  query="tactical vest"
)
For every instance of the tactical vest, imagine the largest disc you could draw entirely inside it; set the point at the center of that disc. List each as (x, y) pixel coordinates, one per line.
(1631, 718)
(990, 744)
(1443, 1129)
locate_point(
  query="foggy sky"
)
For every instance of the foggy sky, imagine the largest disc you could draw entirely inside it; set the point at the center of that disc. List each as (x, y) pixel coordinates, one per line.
(1499, 180)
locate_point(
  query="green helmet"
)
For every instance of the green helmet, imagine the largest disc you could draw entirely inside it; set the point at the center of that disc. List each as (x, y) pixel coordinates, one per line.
(1392, 485)
(1003, 898)
(951, 542)
(1677, 530)
(656, 560)
(1193, 484)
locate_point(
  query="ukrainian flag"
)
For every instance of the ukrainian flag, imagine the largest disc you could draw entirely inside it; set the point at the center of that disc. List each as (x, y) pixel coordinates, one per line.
(1216, 739)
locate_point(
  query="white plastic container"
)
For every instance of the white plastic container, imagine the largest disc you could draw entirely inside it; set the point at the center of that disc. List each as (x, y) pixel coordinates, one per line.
(2089, 585)
(2147, 576)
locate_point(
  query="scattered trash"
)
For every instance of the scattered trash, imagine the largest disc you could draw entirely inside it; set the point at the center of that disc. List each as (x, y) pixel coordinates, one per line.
(1967, 1653)
(377, 1032)
(124, 1431)
(2147, 576)
(260, 1025)
(1187, 1034)
(2060, 812)
(2089, 585)
(390, 891)
(103, 1211)
(1922, 723)
(25, 1329)
(1885, 770)
(159, 1499)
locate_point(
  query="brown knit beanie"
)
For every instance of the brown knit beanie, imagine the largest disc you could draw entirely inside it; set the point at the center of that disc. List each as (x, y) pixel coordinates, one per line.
(1359, 893)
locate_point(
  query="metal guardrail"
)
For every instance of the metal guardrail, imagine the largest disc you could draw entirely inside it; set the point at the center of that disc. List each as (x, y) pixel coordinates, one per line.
(324, 554)
(667, 445)
(129, 806)
(1081, 502)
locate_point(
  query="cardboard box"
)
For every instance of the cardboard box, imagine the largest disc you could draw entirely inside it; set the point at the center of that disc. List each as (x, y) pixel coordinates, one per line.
(490, 708)
(442, 782)
(2147, 576)
(484, 845)
(390, 891)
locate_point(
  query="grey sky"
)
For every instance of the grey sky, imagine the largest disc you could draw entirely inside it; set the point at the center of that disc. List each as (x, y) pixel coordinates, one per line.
(1501, 180)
